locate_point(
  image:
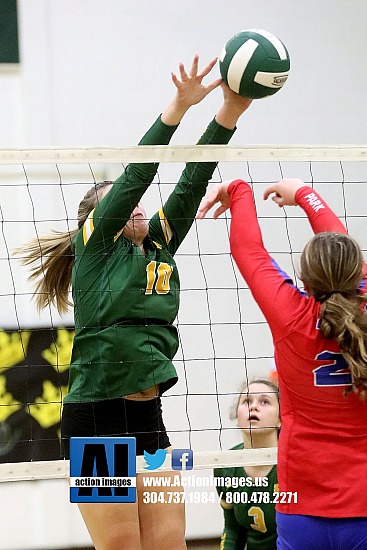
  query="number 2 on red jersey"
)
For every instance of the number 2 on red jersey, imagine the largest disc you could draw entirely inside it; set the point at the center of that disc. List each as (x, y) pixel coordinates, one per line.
(334, 374)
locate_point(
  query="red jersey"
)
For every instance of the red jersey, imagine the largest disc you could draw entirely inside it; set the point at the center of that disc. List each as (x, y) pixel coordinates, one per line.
(322, 452)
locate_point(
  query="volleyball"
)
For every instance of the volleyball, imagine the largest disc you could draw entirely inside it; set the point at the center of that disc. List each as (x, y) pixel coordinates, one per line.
(254, 63)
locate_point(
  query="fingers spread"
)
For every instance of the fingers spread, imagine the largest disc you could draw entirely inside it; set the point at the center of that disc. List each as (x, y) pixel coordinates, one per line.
(183, 73)
(214, 85)
(209, 67)
(175, 80)
(194, 66)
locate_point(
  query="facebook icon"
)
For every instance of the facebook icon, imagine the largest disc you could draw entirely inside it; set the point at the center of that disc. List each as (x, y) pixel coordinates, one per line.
(182, 459)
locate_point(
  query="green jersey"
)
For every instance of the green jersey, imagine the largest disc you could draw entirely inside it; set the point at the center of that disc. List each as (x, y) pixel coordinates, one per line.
(124, 301)
(249, 515)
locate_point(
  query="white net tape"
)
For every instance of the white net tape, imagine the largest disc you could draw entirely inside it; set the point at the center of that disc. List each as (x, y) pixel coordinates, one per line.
(228, 345)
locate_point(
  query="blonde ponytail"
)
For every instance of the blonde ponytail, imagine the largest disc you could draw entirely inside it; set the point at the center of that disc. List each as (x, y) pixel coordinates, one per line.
(51, 258)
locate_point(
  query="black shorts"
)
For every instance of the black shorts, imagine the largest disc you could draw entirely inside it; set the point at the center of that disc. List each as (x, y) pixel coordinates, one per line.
(115, 418)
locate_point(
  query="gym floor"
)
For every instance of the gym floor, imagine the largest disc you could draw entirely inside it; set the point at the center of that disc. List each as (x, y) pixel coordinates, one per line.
(212, 544)
(208, 544)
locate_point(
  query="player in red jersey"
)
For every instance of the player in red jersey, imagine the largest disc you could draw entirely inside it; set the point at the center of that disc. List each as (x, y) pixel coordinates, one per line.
(320, 341)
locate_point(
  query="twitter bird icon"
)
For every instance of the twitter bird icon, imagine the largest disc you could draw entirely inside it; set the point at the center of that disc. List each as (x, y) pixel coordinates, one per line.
(156, 460)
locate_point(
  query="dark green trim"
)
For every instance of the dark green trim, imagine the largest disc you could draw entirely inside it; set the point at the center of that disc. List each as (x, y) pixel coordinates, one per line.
(9, 48)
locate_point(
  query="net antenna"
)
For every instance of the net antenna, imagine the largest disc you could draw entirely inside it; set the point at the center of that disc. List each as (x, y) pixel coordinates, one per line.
(224, 339)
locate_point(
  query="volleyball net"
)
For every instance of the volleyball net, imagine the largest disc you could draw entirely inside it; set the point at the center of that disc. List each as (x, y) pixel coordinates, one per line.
(224, 338)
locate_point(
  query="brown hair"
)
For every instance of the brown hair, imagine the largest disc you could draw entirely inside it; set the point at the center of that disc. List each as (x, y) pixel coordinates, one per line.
(332, 270)
(273, 388)
(51, 258)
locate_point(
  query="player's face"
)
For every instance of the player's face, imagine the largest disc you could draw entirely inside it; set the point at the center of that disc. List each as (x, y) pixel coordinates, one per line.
(137, 227)
(258, 409)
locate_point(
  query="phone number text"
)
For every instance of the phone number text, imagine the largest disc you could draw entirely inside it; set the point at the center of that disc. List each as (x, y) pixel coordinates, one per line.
(259, 497)
(178, 497)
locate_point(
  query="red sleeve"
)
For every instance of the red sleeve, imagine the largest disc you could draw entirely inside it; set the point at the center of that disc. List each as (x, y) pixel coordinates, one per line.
(322, 218)
(320, 215)
(280, 301)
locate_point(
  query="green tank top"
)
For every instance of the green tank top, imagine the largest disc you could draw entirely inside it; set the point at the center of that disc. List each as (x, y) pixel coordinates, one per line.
(125, 302)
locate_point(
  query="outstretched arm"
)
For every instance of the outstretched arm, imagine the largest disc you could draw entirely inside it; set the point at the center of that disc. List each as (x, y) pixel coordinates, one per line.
(190, 90)
(293, 191)
(268, 284)
(289, 192)
(179, 211)
(114, 210)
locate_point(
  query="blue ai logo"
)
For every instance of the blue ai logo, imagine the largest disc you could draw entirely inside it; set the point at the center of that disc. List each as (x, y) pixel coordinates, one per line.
(156, 460)
(102, 469)
(182, 459)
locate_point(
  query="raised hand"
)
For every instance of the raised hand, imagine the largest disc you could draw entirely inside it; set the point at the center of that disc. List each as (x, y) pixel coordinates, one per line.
(285, 191)
(190, 89)
(232, 108)
(217, 194)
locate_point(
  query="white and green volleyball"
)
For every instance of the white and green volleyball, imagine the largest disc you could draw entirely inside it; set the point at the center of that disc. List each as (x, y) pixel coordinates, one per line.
(254, 63)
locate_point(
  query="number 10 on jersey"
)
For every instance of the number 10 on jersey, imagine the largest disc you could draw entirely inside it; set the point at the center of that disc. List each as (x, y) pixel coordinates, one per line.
(158, 277)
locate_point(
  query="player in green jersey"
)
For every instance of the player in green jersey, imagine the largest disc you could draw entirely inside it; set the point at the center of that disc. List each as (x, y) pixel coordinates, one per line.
(247, 494)
(125, 288)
